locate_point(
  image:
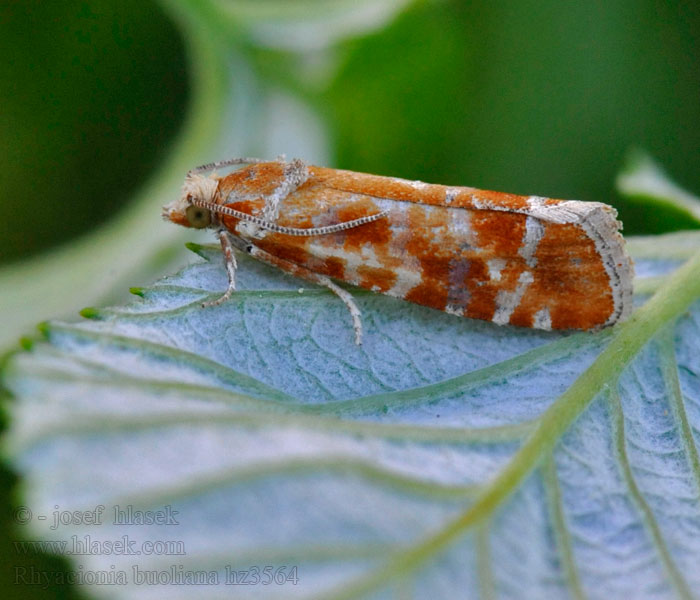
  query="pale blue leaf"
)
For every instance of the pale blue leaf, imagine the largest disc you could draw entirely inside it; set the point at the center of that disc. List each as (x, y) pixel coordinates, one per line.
(444, 458)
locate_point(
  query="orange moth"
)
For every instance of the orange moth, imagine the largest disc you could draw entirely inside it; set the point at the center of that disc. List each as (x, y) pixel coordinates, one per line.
(519, 260)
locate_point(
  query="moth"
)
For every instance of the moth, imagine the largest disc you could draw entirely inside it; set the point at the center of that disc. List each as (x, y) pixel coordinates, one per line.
(520, 260)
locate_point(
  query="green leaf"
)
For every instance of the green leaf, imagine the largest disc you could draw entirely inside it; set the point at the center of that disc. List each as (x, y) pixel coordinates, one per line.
(306, 25)
(113, 255)
(463, 93)
(136, 245)
(443, 455)
(643, 181)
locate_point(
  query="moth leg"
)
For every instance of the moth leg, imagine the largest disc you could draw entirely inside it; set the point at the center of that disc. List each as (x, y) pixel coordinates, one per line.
(231, 266)
(306, 274)
(347, 298)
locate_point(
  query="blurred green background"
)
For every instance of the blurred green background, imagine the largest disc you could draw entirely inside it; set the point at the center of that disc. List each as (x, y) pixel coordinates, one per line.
(105, 104)
(531, 97)
(91, 94)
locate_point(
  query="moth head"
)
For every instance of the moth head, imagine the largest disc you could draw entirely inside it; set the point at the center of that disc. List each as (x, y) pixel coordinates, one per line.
(187, 210)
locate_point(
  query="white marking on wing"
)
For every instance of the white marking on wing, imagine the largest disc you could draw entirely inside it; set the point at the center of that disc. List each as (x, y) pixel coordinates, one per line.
(534, 230)
(495, 266)
(450, 194)
(508, 301)
(543, 319)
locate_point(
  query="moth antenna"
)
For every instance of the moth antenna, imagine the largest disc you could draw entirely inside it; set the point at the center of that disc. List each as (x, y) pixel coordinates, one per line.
(295, 231)
(226, 163)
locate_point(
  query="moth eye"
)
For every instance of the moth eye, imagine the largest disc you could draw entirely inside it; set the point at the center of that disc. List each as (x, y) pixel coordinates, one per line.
(198, 217)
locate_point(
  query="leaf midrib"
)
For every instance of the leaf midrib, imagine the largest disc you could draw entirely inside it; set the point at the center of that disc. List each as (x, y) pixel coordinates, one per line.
(674, 298)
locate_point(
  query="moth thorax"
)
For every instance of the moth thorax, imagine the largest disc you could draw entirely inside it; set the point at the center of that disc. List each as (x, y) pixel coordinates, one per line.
(250, 230)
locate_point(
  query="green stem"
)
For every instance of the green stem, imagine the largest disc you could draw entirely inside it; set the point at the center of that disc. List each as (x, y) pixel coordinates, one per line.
(647, 515)
(559, 526)
(671, 301)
